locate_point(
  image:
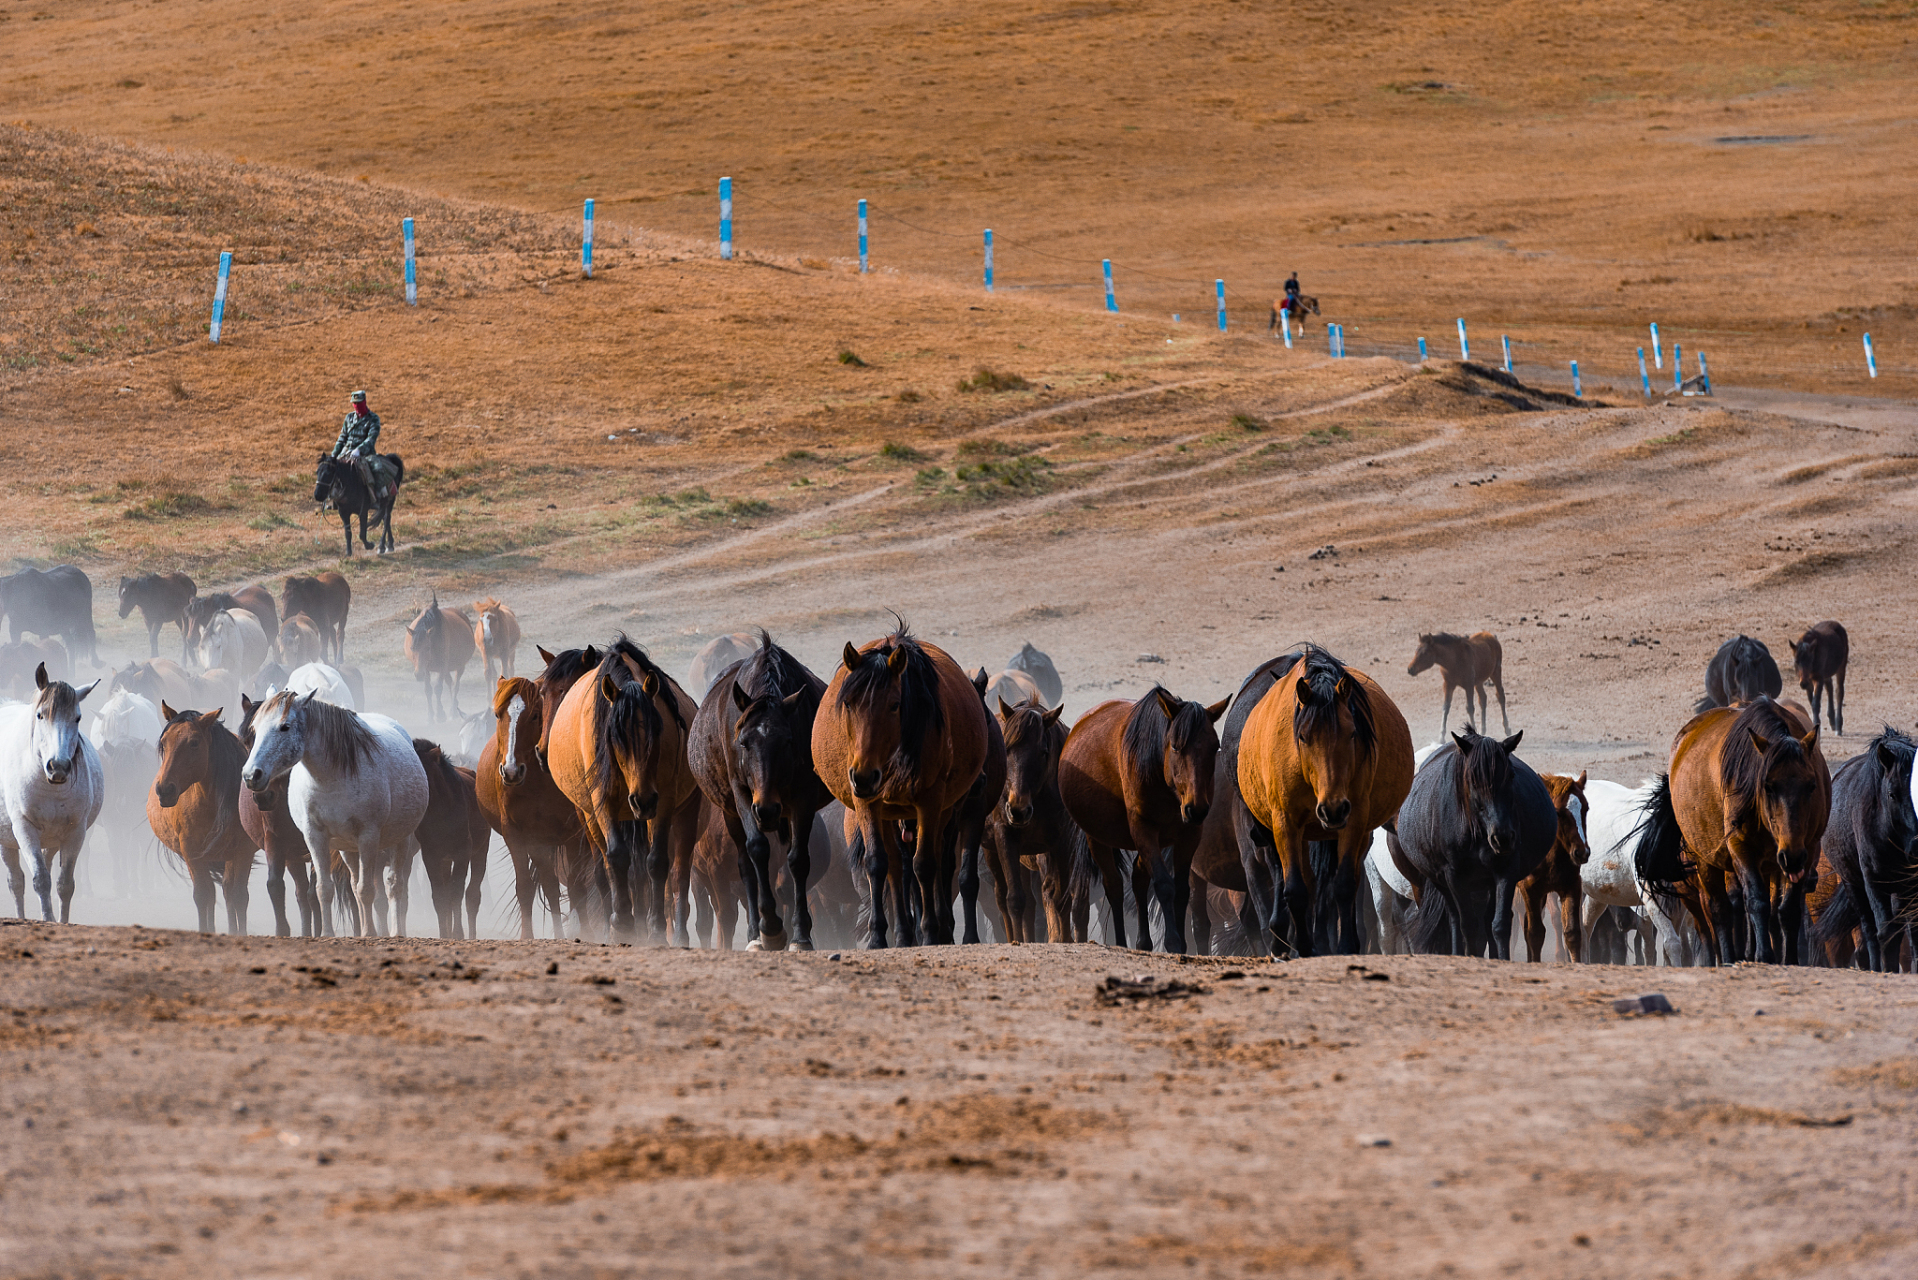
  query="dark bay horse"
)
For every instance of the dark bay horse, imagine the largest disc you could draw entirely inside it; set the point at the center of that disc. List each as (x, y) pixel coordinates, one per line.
(750, 749)
(452, 839)
(326, 598)
(1468, 663)
(52, 602)
(1323, 756)
(194, 810)
(1819, 658)
(1746, 801)
(1032, 824)
(966, 833)
(439, 644)
(339, 483)
(1476, 822)
(541, 828)
(1741, 671)
(1560, 873)
(901, 735)
(1139, 776)
(1869, 845)
(269, 824)
(161, 598)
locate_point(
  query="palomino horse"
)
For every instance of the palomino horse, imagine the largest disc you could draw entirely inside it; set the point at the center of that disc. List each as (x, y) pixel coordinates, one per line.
(1741, 671)
(496, 636)
(325, 598)
(338, 482)
(750, 747)
(452, 841)
(1468, 663)
(273, 831)
(1324, 756)
(439, 644)
(541, 827)
(1476, 821)
(1560, 873)
(1819, 658)
(51, 789)
(353, 784)
(1139, 776)
(161, 598)
(256, 600)
(194, 810)
(902, 735)
(1746, 798)
(1032, 823)
(1869, 846)
(616, 747)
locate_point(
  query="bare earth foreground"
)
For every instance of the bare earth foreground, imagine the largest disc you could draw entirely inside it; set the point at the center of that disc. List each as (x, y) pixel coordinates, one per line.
(180, 1105)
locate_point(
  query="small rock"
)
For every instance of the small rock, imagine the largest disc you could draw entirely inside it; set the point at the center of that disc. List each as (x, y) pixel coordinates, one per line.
(1374, 1140)
(1758, 1013)
(239, 1108)
(1150, 657)
(1652, 1002)
(833, 956)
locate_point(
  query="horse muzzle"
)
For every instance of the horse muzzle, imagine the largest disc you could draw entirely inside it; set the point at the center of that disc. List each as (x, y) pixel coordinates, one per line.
(865, 783)
(512, 774)
(1332, 814)
(167, 794)
(255, 780)
(766, 815)
(1193, 814)
(645, 806)
(1018, 815)
(58, 771)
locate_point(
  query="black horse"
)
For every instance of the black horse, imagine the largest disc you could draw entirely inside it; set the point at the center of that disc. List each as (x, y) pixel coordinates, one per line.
(1869, 844)
(338, 481)
(54, 602)
(1740, 671)
(1476, 822)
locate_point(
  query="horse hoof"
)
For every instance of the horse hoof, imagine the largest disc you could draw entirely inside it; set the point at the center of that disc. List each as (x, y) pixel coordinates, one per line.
(804, 944)
(772, 941)
(754, 945)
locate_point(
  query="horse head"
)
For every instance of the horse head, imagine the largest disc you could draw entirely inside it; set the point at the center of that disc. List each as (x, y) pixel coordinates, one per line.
(889, 703)
(126, 596)
(563, 670)
(1427, 654)
(765, 744)
(1792, 796)
(326, 478)
(279, 727)
(630, 729)
(1334, 733)
(1033, 742)
(1186, 751)
(56, 726)
(1568, 797)
(516, 708)
(1486, 790)
(186, 753)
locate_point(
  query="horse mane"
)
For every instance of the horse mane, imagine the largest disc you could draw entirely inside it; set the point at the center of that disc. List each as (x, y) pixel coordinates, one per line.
(770, 672)
(1322, 674)
(1741, 769)
(920, 713)
(568, 665)
(1442, 637)
(623, 647)
(335, 732)
(629, 712)
(1148, 729)
(225, 758)
(1027, 719)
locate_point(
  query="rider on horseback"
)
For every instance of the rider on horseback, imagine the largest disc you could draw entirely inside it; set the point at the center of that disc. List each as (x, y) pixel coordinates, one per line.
(1292, 293)
(358, 444)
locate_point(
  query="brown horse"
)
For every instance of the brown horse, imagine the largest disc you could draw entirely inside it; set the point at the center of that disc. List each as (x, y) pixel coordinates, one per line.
(496, 636)
(1324, 756)
(901, 734)
(1819, 658)
(194, 810)
(1560, 872)
(161, 598)
(540, 826)
(1468, 663)
(325, 598)
(300, 642)
(1281, 307)
(269, 824)
(1139, 776)
(439, 644)
(1746, 799)
(452, 841)
(1032, 824)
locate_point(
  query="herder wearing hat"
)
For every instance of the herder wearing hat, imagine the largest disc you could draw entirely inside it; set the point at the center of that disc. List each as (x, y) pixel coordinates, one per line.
(359, 441)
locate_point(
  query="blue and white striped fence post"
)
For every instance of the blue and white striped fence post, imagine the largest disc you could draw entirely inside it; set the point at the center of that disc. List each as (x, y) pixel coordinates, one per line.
(1331, 340)
(1658, 351)
(412, 281)
(586, 243)
(1871, 357)
(1112, 303)
(988, 259)
(1464, 347)
(1678, 368)
(1422, 354)
(1220, 286)
(865, 263)
(1505, 340)
(1341, 342)
(725, 219)
(219, 296)
(1704, 374)
(1644, 378)
(1285, 328)
(1578, 388)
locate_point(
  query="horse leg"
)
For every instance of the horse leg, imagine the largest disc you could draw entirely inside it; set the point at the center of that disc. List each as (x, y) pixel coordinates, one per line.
(276, 890)
(799, 866)
(969, 858)
(523, 889)
(1534, 902)
(400, 872)
(681, 836)
(1445, 719)
(1838, 704)
(762, 919)
(1791, 921)
(1501, 939)
(1201, 916)
(238, 893)
(1141, 906)
(927, 852)
(870, 842)
(203, 895)
(69, 860)
(1720, 931)
(346, 528)
(1571, 909)
(1301, 888)
(1758, 912)
(1106, 859)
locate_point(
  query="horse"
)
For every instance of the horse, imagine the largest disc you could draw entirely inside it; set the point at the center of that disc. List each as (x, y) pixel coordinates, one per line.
(715, 656)
(271, 828)
(966, 832)
(1324, 756)
(439, 644)
(616, 747)
(338, 482)
(233, 640)
(1012, 687)
(299, 641)
(52, 602)
(1560, 873)
(325, 598)
(1609, 877)
(496, 636)
(1139, 776)
(452, 841)
(1741, 671)
(750, 748)
(326, 682)
(353, 784)
(563, 670)
(1818, 659)
(256, 600)
(1036, 664)
(1032, 823)
(194, 810)
(50, 790)
(1476, 821)
(902, 734)
(1869, 844)
(19, 660)
(1747, 796)
(161, 598)
(1468, 663)
(1283, 308)
(541, 828)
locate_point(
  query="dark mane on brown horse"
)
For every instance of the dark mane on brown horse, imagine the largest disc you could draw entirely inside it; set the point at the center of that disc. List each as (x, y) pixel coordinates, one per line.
(772, 672)
(568, 665)
(1150, 728)
(1743, 768)
(334, 732)
(633, 714)
(623, 648)
(1318, 710)
(1023, 721)
(920, 715)
(1482, 771)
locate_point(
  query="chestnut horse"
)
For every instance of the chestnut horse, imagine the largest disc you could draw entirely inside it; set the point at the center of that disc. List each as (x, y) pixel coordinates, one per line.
(540, 826)
(1468, 663)
(496, 635)
(194, 810)
(439, 644)
(1324, 756)
(1139, 776)
(1746, 798)
(902, 734)
(1561, 873)
(324, 598)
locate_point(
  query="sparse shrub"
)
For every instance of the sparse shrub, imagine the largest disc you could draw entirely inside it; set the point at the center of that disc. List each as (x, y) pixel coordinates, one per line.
(909, 396)
(928, 477)
(1003, 479)
(851, 358)
(1246, 422)
(169, 506)
(797, 455)
(893, 451)
(984, 379)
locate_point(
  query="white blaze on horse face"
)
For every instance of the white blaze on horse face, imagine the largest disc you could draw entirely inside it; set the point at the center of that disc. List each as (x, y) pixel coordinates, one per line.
(1577, 809)
(514, 709)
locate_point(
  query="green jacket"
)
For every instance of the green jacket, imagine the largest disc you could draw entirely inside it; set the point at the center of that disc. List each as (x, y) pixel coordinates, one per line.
(358, 435)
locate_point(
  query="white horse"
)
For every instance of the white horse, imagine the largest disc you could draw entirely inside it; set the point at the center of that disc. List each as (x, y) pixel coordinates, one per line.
(127, 717)
(1611, 879)
(353, 784)
(50, 789)
(324, 682)
(233, 639)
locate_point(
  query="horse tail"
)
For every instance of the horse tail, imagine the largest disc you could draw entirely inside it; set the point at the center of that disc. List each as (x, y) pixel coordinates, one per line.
(399, 469)
(1430, 931)
(1323, 857)
(1082, 874)
(1704, 704)
(1658, 845)
(1837, 920)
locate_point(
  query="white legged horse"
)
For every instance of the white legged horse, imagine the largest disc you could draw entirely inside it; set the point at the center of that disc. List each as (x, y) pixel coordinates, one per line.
(353, 784)
(1611, 880)
(50, 789)
(324, 681)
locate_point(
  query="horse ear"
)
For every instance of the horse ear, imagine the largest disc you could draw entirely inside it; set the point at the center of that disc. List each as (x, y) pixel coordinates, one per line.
(1809, 742)
(979, 681)
(1212, 712)
(1511, 743)
(740, 699)
(311, 694)
(607, 689)
(40, 676)
(850, 657)
(1005, 713)
(592, 655)
(1759, 741)
(1167, 703)
(170, 714)
(247, 705)
(214, 714)
(791, 700)
(895, 660)
(1460, 739)
(649, 684)
(1581, 778)
(544, 656)
(80, 694)
(1052, 716)
(1887, 758)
